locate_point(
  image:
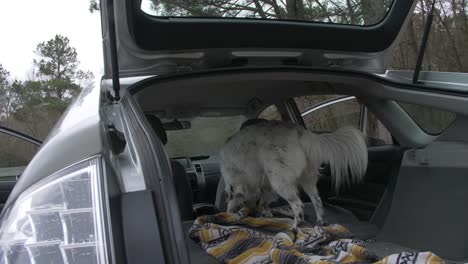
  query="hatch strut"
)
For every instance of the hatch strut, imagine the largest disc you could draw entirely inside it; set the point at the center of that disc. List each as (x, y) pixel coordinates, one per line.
(113, 50)
(425, 37)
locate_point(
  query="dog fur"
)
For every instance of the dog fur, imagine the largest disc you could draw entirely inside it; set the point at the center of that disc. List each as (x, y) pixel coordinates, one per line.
(271, 158)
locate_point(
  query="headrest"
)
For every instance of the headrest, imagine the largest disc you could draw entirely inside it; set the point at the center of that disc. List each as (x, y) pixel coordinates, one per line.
(157, 126)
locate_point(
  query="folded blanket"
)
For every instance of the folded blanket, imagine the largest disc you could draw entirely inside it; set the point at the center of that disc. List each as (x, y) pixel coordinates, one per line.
(242, 238)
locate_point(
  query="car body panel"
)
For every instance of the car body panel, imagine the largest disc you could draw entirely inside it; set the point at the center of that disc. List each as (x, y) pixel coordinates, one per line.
(76, 136)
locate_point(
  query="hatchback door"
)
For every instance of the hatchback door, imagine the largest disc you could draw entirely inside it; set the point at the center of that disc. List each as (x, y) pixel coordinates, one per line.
(167, 36)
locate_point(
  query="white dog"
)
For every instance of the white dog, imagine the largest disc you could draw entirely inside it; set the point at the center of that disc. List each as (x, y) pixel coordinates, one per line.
(271, 158)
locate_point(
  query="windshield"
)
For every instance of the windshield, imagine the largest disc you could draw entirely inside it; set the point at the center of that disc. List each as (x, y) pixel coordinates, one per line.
(205, 137)
(358, 12)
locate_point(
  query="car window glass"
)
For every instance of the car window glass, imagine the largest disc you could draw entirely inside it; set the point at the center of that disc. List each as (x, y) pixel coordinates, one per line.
(270, 113)
(331, 117)
(358, 12)
(204, 138)
(377, 134)
(431, 120)
(15, 154)
(345, 113)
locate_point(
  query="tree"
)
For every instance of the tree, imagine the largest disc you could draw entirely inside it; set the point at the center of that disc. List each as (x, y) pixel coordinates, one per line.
(57, 66)
(58, 72)
(33, 106)
(93, 6)
(6, 97)
(13, 151)
(4, 74)
(348, 12)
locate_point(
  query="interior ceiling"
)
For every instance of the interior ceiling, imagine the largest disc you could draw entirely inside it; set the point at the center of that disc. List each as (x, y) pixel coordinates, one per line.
(193, 95)
(219, 93)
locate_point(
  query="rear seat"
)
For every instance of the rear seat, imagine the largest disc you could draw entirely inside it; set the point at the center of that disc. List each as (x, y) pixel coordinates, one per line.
(428, 210)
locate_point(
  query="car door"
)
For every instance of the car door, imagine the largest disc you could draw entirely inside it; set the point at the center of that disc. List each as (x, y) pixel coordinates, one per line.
(16, 150)
(326, 113)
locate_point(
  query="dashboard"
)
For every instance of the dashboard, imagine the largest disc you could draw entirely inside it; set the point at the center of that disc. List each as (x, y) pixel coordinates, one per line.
(204, 175)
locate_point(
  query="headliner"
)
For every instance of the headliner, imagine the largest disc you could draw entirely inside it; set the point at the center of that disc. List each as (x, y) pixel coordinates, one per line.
(228, 96)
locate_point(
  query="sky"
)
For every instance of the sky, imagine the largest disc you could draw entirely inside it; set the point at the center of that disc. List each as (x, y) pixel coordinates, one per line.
(26, 23)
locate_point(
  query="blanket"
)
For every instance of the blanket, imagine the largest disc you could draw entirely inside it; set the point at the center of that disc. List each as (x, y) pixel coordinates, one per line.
(244, 238)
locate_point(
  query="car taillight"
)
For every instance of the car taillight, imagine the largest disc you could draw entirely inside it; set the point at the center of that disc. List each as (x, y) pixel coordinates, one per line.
(58, 220)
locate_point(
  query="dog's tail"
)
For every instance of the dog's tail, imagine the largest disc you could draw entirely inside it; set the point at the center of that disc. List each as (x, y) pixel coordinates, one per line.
(345, 151)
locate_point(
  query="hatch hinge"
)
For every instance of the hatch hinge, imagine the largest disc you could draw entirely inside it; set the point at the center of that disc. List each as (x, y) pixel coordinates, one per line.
(111, 97)
(117, 140)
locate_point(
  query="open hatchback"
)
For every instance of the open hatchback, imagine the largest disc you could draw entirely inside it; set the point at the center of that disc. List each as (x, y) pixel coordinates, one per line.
(135, 160)
(161, 37)
(207, 66)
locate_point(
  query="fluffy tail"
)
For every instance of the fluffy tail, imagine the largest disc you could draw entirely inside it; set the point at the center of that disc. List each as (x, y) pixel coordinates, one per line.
(345, 150)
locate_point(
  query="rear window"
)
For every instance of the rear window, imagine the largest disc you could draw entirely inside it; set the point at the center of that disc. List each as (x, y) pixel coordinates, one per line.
(357, 12)
(205, 137)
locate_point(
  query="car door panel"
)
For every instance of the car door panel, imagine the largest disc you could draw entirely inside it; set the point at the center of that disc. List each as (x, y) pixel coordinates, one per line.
(17, 149)
(363, 198)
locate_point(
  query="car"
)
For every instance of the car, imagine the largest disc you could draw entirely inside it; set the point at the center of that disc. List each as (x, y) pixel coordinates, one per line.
(133, 161)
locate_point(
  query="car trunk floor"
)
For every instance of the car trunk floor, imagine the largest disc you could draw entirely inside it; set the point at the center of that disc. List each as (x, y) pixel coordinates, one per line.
(362, 230)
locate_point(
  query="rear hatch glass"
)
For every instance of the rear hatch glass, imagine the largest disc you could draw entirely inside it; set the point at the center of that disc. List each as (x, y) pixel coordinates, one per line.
(359, 12)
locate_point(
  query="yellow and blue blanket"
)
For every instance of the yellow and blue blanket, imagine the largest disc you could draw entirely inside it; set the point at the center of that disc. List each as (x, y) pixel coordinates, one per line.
(242, 238)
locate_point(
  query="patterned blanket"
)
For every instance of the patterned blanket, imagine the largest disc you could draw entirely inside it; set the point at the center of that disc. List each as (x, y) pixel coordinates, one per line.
(242, 238)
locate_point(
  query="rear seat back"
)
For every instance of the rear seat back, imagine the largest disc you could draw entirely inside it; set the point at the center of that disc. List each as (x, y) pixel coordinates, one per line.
(428, 211)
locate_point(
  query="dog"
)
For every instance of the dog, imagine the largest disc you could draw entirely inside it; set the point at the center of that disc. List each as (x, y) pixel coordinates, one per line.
(270, 159)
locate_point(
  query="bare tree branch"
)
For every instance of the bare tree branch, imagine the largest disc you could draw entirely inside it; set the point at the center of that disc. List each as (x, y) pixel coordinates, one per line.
(325, 11)
(260, 8)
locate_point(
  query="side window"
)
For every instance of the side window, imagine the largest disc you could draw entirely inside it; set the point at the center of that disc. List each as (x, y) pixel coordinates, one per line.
(376, 132)
(327, 113)
(320, 116)
(433, 121)
(270, 113)
(15, 154)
